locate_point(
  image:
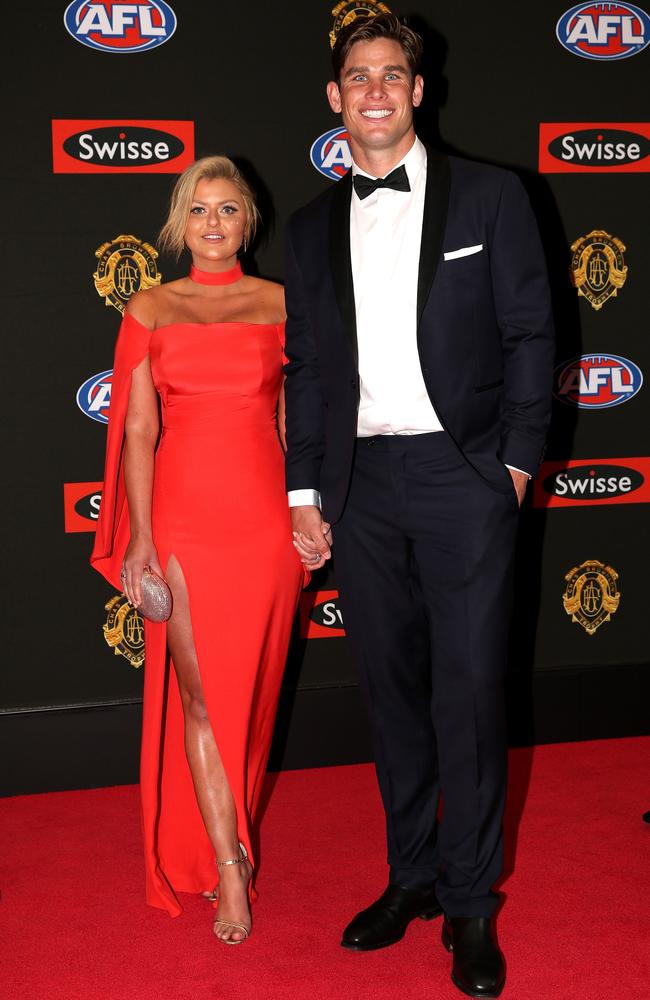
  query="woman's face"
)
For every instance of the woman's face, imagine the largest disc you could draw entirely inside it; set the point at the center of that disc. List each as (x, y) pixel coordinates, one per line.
(216, 223)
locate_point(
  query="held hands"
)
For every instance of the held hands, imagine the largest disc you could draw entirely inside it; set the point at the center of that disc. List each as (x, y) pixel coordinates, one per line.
(312, 536)
(140, 554)
(520, 482)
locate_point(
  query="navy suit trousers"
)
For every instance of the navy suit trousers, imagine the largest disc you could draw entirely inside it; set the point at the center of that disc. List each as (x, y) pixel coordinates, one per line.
(424, 554)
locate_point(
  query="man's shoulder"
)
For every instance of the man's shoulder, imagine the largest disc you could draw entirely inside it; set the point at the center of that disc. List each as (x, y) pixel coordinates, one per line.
(481, 178)
(477, 172)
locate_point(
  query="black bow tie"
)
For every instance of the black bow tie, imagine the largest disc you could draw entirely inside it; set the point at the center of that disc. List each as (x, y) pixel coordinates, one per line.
(397, 180)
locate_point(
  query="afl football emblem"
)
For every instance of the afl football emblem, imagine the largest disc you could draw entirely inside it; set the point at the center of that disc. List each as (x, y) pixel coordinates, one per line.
(597, 267)
(349, 10)
(126, 266)
(124, 630)
(591, 596)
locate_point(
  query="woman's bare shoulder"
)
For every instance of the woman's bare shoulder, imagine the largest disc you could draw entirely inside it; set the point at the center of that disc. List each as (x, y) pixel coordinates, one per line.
(270, 294)
(150, 304)
(265, 285)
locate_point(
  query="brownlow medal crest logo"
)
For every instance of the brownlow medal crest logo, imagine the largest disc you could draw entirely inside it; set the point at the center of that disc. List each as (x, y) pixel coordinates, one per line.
(597, 267)
(349, 10)
(124, 630)
(591, 596)
(126, 266)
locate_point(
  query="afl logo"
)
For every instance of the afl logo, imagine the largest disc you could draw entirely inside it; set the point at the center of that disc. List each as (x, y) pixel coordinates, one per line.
(330, 153)
(94, 396)
(604, 30)
(120, 27)
(597, 381)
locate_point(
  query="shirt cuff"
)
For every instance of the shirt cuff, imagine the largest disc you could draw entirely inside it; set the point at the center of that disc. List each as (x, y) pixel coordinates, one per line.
(303, 498)
(515, 469)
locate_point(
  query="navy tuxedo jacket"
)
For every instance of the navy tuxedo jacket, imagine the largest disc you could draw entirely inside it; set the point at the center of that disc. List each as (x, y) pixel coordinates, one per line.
(485, 330)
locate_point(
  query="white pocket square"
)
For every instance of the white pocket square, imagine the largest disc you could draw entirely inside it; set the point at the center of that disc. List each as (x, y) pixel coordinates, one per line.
(463, 252)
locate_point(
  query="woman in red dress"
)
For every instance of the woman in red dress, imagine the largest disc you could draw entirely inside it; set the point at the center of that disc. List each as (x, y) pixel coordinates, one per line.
(194, 489)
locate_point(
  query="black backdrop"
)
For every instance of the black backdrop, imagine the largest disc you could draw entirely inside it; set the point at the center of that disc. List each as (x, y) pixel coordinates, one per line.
(251, 77)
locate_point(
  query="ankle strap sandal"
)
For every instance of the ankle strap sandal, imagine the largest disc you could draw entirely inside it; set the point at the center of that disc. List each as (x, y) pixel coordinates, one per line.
(229, 923)
(213, 896)
(235, 861)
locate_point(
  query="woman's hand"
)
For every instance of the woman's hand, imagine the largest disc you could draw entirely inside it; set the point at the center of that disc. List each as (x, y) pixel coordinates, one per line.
(313, 547)
(140, 554)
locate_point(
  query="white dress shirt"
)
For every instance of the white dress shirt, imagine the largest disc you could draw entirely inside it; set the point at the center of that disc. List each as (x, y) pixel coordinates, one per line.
(385, 237)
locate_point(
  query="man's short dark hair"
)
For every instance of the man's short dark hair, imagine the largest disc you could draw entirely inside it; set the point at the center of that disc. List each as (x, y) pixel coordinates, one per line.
(367, 29)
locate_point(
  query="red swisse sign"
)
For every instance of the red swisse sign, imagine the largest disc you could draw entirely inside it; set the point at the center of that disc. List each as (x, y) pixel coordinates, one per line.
(320, 615)
(121, 146)
(81, 506)
(594, 147)
(592, 481)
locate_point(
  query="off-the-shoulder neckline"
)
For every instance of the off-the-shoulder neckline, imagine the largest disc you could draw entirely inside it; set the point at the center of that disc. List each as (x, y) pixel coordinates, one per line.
(167, 326)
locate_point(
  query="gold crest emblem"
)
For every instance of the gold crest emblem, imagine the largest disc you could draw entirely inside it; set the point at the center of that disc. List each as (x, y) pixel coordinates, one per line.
(127, 265)
(591, 596)
(597, 267)
(124, 630)
(349, 10)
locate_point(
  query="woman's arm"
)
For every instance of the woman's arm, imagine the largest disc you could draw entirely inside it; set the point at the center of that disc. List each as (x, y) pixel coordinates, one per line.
(141, 433)
(141, 429)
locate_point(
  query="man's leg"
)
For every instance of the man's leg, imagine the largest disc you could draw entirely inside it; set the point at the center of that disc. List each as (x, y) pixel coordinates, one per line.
(464, 535)
(384, 620)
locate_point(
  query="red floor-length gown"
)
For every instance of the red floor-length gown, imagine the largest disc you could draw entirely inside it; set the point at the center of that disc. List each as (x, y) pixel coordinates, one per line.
(220, 507)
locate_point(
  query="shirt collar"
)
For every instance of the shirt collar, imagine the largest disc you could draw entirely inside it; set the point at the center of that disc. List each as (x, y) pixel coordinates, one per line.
(414, 160)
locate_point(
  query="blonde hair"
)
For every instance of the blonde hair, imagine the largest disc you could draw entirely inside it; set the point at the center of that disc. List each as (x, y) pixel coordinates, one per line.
(209, 168)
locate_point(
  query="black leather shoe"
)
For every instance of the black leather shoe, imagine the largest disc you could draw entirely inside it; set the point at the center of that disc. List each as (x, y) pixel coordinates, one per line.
(479, 968)
(385, 922)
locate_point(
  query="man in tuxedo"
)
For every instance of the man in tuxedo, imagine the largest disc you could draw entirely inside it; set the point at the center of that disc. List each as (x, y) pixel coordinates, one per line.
(420, 346)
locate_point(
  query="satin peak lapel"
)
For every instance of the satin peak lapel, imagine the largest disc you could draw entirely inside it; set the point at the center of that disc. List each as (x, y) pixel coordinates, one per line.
(340, 261)
(436, 203)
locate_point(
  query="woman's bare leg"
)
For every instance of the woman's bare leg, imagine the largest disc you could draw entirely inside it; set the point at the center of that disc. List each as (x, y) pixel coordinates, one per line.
(213, 793)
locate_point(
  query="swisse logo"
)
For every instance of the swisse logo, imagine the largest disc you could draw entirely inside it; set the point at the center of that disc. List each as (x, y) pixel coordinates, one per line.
(330, 153)
(327, 614)
(591, 148)
(120, 27)
(604, 30)
(599, 146)
(566, 147)
(591, 483)
(122, 146)
(81, 506)
(598, 481)
(597, 381)
(94, 396)
(320, 615)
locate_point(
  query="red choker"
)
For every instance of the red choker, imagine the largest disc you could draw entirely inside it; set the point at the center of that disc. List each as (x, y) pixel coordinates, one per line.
(216, 277)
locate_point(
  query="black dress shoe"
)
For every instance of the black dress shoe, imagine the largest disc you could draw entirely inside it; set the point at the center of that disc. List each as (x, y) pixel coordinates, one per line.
(385, 922)
(479, 968)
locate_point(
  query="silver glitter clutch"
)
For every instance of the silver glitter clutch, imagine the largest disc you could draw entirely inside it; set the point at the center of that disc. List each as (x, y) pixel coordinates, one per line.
(156, 605)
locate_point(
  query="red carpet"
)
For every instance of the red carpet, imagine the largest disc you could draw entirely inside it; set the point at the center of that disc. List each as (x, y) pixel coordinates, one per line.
(575, 926)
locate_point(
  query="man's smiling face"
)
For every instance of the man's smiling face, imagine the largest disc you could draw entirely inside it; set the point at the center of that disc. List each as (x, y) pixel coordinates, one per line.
(376, 96)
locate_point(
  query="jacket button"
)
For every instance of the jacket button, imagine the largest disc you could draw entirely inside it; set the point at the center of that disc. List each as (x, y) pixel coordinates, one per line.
(353, 383)
(425, 371)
